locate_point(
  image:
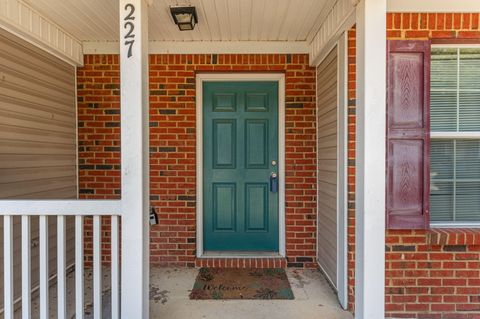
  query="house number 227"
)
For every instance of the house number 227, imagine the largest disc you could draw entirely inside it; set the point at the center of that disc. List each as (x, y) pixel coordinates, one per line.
(130, 27)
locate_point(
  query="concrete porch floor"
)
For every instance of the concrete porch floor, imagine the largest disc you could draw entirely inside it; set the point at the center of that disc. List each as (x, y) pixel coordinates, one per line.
(170, 287)
(314, 298)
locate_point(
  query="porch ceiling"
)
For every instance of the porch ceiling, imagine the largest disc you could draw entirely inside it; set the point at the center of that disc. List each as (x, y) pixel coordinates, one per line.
(225, 20)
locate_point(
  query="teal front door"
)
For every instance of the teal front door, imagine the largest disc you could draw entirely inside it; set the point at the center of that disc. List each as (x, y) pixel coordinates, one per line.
(240, 140)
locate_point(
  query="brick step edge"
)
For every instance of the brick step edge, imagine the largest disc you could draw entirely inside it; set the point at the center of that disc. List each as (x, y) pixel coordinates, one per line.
(241, 262)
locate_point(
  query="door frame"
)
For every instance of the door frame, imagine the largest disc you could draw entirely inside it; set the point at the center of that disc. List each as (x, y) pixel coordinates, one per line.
(244, 77)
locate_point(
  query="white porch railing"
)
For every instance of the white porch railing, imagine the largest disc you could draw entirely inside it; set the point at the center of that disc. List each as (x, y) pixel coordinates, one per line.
(132, 208)
(79, 209)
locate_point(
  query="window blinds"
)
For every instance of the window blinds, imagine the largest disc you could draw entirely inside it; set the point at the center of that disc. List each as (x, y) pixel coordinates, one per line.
(455, 108)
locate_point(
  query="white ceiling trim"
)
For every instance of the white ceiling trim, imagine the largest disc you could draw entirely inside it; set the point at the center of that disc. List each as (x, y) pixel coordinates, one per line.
(212, 47)
(433, 6)
(340, 18)
(24, 22)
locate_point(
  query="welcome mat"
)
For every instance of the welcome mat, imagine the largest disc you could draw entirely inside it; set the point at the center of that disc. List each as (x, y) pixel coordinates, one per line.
(230, 283)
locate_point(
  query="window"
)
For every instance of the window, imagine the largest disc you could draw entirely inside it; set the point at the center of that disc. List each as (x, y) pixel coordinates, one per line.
(455, 136)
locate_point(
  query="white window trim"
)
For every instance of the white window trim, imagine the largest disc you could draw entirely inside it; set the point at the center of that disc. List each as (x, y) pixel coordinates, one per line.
(455, 135)
(454, 225)
(456, 46)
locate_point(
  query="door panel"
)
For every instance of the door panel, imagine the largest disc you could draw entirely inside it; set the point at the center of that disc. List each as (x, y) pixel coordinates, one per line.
(224, 143)
(240, 138)
(256, 145)
(224, 206)
(257, 102)
(256, 207)
(224, 102)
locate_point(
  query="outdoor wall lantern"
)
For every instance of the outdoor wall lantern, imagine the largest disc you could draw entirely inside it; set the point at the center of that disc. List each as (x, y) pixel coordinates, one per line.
(185, 17)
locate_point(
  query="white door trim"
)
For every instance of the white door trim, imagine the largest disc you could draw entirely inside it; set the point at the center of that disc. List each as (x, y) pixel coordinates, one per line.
(277, 77)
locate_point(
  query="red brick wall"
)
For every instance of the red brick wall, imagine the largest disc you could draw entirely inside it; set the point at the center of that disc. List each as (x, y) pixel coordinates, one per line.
(433, 25)
(429, 274)
(99, 139)
(172, 145)
(351, 165)
(425, 278)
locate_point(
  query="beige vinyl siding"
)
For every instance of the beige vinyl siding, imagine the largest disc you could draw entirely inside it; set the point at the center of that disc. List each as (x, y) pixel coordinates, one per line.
(37, 142)
(327, 108)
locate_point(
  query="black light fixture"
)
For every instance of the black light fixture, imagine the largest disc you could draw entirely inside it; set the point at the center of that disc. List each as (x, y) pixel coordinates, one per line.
(185, 17)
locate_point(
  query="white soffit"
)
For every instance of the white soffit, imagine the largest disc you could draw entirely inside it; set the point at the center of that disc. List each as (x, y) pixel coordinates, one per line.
(219, 20)
(340, 18)
(433, 6)
(28, 24)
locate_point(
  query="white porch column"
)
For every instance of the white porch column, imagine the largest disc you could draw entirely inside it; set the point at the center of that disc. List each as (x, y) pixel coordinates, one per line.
(135, 168)
(370, 187)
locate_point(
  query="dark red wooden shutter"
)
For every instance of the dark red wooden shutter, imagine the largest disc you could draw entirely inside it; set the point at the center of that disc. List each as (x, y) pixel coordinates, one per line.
(408, 134)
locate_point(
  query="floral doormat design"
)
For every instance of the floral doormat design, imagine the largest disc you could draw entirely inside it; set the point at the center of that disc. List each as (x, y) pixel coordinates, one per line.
(229, 283)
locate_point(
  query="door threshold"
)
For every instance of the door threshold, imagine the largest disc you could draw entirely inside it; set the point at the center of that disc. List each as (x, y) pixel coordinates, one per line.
(240, 254)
